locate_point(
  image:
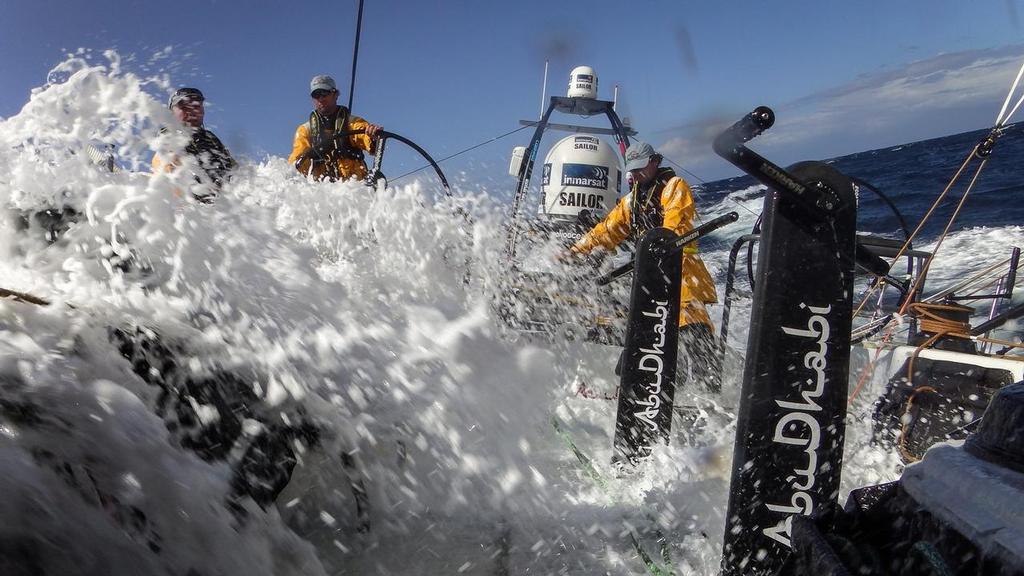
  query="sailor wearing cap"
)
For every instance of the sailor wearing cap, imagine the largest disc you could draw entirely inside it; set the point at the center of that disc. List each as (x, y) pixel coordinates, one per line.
(214, 162)
(659, 198)
(325, 147)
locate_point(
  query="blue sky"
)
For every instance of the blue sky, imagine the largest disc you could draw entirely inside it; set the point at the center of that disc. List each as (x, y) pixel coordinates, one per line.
(842, 76)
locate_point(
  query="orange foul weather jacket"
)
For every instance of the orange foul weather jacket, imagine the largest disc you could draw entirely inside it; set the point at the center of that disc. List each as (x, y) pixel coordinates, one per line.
(341, 161)
(677, 212)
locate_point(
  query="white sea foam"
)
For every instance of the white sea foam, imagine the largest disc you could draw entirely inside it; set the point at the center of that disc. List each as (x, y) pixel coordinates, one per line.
(371, 312)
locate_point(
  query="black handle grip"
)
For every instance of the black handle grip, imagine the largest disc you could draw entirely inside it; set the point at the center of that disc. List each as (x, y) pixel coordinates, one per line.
(675, 246)
(347, 133)
(870, 262)
(744, 130)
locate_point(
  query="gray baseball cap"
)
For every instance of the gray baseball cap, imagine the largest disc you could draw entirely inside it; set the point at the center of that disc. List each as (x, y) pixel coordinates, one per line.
(638, 155)
(322, 82)
(185, 94)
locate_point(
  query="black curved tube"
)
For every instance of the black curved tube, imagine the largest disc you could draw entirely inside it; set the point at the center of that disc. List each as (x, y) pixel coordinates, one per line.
(889, 202)
(385, 135)
(730, 281)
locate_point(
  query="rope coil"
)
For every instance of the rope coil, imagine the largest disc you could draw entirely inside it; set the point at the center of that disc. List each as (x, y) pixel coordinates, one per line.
(935, 318)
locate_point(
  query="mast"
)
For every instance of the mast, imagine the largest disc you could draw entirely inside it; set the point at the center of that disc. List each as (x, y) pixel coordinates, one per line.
(544, 90)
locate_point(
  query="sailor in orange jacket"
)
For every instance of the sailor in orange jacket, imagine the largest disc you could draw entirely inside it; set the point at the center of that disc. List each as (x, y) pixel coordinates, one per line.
(659, 198)
(315, 151)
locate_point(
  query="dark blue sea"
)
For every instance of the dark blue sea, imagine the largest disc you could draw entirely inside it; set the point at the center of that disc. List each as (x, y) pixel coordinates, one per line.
(913, 175)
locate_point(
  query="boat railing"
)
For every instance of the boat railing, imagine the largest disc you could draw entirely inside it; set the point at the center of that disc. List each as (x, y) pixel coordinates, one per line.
(1000, 275)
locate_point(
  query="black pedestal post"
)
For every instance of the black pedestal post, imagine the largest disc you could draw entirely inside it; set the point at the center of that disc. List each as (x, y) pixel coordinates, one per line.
(790, 429)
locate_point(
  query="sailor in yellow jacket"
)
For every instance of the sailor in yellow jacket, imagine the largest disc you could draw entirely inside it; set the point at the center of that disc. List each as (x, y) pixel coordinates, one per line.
(659, 198)
(315, 150)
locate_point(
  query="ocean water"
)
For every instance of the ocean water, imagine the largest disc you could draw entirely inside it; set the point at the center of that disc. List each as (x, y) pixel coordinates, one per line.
(368, 315)
(912, 175)
(902, 184)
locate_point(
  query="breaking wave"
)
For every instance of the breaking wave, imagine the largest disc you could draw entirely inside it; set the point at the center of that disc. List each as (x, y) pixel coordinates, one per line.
(360, 327)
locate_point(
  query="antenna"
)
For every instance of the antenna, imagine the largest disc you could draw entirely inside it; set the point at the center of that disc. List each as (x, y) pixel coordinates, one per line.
(544, 90)
(355, 55)
(615, 98)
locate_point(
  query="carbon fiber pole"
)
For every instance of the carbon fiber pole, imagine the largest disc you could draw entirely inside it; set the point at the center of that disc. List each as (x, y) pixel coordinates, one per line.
(648, 380)
(355, 56)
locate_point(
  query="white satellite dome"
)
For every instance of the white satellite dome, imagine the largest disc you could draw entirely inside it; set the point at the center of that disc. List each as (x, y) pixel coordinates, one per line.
(582, 83)
(581, 172)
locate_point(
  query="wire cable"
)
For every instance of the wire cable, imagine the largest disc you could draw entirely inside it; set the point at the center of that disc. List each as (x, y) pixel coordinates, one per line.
(702, 181)
(461, 152)
(1000, 119)
(1015, 107)
(680, 166)
(907, 243)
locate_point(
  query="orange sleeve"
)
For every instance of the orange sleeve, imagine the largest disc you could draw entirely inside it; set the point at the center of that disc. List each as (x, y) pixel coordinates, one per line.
(159, 165)
(360, 141)
(608, 233)
(677, 203)
(300, 145)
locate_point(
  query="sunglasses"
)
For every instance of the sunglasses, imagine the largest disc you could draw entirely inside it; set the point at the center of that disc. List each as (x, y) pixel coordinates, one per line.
(321, 93)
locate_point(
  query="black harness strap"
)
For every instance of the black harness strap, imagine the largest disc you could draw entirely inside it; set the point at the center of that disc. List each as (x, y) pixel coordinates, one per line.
(338, 148)
(645, 210)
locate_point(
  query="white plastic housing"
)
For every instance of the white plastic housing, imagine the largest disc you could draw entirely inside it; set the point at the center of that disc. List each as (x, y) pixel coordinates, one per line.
(581, 172)
(582, 83)
(517, 160)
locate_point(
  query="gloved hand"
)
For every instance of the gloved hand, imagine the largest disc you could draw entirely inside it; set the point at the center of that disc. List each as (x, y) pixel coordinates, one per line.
(567, 257)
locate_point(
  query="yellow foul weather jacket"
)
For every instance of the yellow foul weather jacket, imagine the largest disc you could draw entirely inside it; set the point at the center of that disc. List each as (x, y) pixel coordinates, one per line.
(677, 212)
(342, 161)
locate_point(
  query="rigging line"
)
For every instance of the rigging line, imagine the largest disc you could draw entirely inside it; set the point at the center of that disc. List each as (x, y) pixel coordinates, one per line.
(928, 261)
(895, 323)
(680, 166)
(1013, 88)
(703, 181)
(1008, 343)
(924, 268)
(1000, 121)
(869, 369)
(920, 225)
(676, 164)
(1012, 112)
(459, 153)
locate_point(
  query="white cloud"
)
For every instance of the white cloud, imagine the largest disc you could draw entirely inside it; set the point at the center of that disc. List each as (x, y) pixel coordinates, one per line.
(945, 94)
